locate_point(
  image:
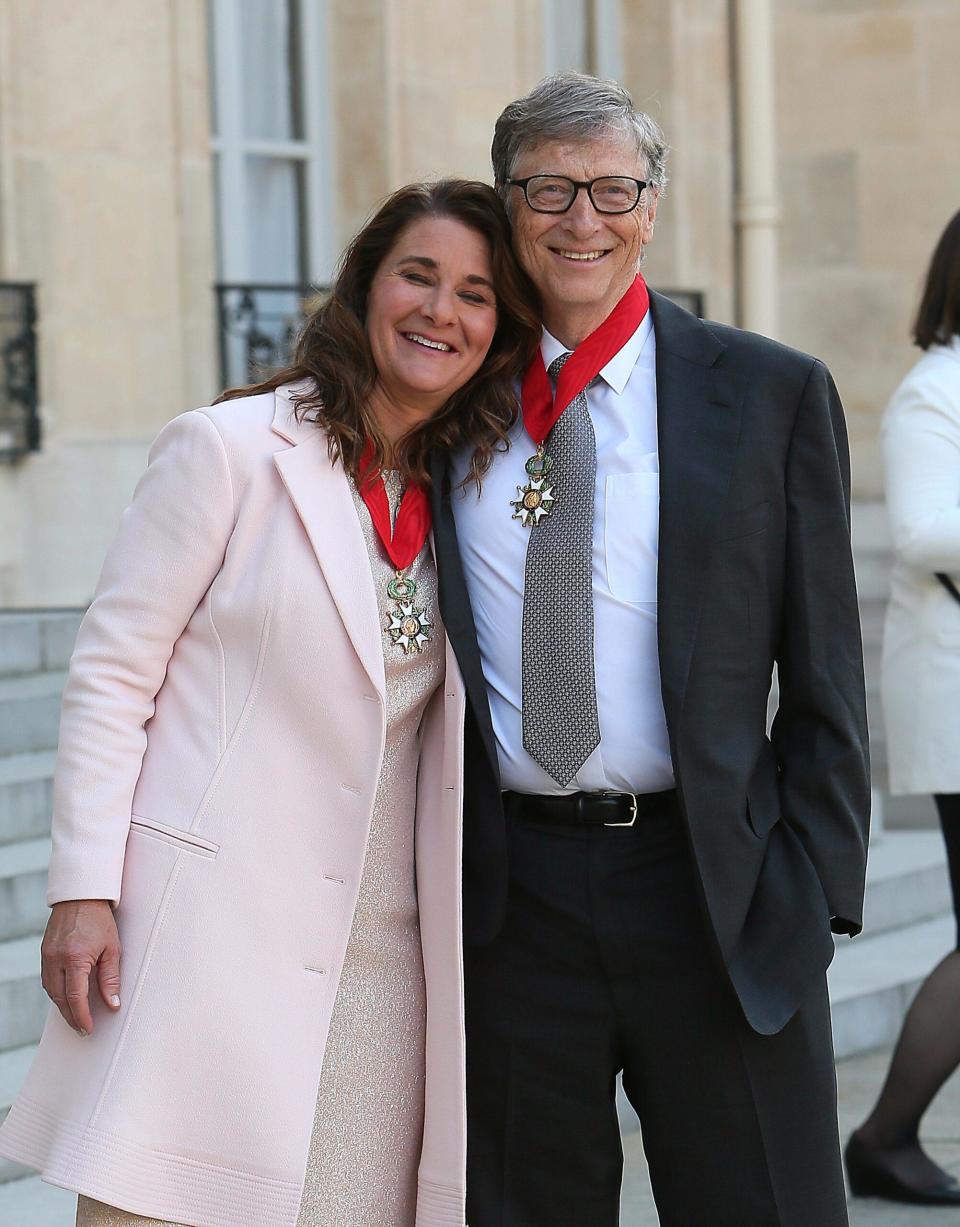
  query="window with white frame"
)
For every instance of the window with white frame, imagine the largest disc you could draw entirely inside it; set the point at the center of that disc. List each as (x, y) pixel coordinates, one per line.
(582, 34)
(272, 155)
(271, 144)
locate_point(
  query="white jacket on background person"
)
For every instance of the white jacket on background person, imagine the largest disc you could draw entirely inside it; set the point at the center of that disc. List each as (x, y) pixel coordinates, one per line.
(921, 643)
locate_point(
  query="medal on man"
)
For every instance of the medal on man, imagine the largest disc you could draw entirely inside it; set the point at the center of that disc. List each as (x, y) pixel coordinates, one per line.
(535, 500)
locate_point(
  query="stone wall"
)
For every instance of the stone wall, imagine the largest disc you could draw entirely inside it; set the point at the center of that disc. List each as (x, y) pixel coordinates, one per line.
(418, 88)
(869, 127)
(868, 122)
(106, 199)
(106, 204)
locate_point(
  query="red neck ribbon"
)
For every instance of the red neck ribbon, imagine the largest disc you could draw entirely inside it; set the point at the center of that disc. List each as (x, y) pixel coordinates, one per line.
(413, 519)
(540, 407)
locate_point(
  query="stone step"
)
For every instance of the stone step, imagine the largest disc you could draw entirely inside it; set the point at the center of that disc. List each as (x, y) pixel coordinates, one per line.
(916, 813)
(30, 712)
(23, 887)
(23, 1003)
(874, 979)
(37, 641)
(13, 1069)
(26, 795)
(907, 882)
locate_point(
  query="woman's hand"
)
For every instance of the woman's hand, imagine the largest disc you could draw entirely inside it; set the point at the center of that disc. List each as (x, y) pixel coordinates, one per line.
(81, 935)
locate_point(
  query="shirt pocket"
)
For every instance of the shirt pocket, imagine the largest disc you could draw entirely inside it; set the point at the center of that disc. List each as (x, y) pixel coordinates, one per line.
(631, 529)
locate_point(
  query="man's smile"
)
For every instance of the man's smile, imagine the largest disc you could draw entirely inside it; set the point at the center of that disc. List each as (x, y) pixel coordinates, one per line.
(589, 257)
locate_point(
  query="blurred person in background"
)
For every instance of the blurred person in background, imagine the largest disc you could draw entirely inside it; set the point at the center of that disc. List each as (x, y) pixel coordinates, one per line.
(258, 787)
(921, 705)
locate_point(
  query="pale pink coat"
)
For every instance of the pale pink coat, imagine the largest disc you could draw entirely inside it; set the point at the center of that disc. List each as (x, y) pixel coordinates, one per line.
(236, 618)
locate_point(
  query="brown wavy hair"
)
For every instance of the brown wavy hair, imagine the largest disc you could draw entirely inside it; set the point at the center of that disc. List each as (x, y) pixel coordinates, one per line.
(333, 354)
(938, 318)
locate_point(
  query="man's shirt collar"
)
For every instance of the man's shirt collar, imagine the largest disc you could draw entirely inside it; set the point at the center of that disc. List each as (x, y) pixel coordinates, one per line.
(620, 367)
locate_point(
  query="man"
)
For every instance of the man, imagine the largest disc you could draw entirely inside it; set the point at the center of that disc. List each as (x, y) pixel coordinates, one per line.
(653, 890)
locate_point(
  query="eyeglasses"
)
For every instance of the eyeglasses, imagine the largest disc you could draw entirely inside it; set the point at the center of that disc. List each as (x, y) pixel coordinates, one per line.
(556, 193)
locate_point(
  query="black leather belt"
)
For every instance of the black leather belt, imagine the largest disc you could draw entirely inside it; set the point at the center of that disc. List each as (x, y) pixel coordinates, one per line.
(591, 809)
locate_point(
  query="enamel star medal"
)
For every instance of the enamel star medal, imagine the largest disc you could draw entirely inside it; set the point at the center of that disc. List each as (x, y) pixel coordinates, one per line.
(407, 624)
(535, 500)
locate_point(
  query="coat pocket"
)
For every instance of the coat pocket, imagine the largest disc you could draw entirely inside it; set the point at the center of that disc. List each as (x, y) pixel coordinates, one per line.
(175, 836)
(763, 795)
(744, 522)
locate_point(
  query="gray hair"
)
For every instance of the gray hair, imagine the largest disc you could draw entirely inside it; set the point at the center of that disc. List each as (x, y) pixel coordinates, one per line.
(573, 105)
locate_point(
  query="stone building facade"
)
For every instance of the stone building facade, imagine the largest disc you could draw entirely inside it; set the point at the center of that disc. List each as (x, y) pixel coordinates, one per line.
(152, 149)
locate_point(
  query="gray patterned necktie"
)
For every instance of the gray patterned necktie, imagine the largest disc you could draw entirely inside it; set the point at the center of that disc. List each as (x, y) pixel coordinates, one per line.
(561, 728)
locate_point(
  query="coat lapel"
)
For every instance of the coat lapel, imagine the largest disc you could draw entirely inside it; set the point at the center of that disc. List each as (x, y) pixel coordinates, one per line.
(698, 423)
(321, 495)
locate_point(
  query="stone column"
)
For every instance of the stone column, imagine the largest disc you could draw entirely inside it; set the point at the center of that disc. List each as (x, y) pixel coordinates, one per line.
(676, 64)
(757, 211)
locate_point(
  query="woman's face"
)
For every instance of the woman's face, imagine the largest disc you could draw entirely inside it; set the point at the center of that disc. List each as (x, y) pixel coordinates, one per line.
(431, 312)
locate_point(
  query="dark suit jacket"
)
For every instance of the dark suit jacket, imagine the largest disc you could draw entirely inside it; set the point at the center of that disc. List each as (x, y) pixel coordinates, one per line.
(755, 568)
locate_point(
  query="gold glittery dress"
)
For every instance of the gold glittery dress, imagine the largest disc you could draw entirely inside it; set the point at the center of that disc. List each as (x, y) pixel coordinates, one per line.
(368, 1126)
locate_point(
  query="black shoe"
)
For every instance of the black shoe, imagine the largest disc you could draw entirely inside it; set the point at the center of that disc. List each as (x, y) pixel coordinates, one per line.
(870, 1177)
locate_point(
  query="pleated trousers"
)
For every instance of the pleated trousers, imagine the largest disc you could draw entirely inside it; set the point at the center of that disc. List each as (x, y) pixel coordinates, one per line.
(605, 965)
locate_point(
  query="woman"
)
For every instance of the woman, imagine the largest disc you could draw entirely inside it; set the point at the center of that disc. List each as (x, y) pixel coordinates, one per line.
(260, 771)
(921, 701)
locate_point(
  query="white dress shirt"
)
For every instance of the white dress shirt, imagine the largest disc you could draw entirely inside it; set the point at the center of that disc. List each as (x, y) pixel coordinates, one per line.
(633, 754)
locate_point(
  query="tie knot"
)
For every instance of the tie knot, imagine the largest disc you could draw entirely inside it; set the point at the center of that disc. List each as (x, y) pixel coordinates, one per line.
(557, 365)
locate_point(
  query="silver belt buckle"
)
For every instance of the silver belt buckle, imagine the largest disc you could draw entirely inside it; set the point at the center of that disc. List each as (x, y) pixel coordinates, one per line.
(633, 808)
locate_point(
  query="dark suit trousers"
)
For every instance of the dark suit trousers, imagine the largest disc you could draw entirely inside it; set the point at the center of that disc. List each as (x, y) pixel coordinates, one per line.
(604, 965)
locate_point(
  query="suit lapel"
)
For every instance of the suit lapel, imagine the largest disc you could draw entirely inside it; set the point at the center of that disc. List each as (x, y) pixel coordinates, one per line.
(455, 606)
(698, 424)
(321, 495)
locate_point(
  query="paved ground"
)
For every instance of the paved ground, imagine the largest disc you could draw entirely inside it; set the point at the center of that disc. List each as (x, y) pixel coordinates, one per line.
(29, 1203)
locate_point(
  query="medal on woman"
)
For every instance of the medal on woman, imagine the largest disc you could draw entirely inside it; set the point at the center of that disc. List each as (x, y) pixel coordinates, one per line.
(408, 625)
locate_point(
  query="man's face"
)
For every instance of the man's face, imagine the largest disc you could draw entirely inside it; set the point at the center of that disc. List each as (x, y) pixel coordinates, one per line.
(551, 246)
